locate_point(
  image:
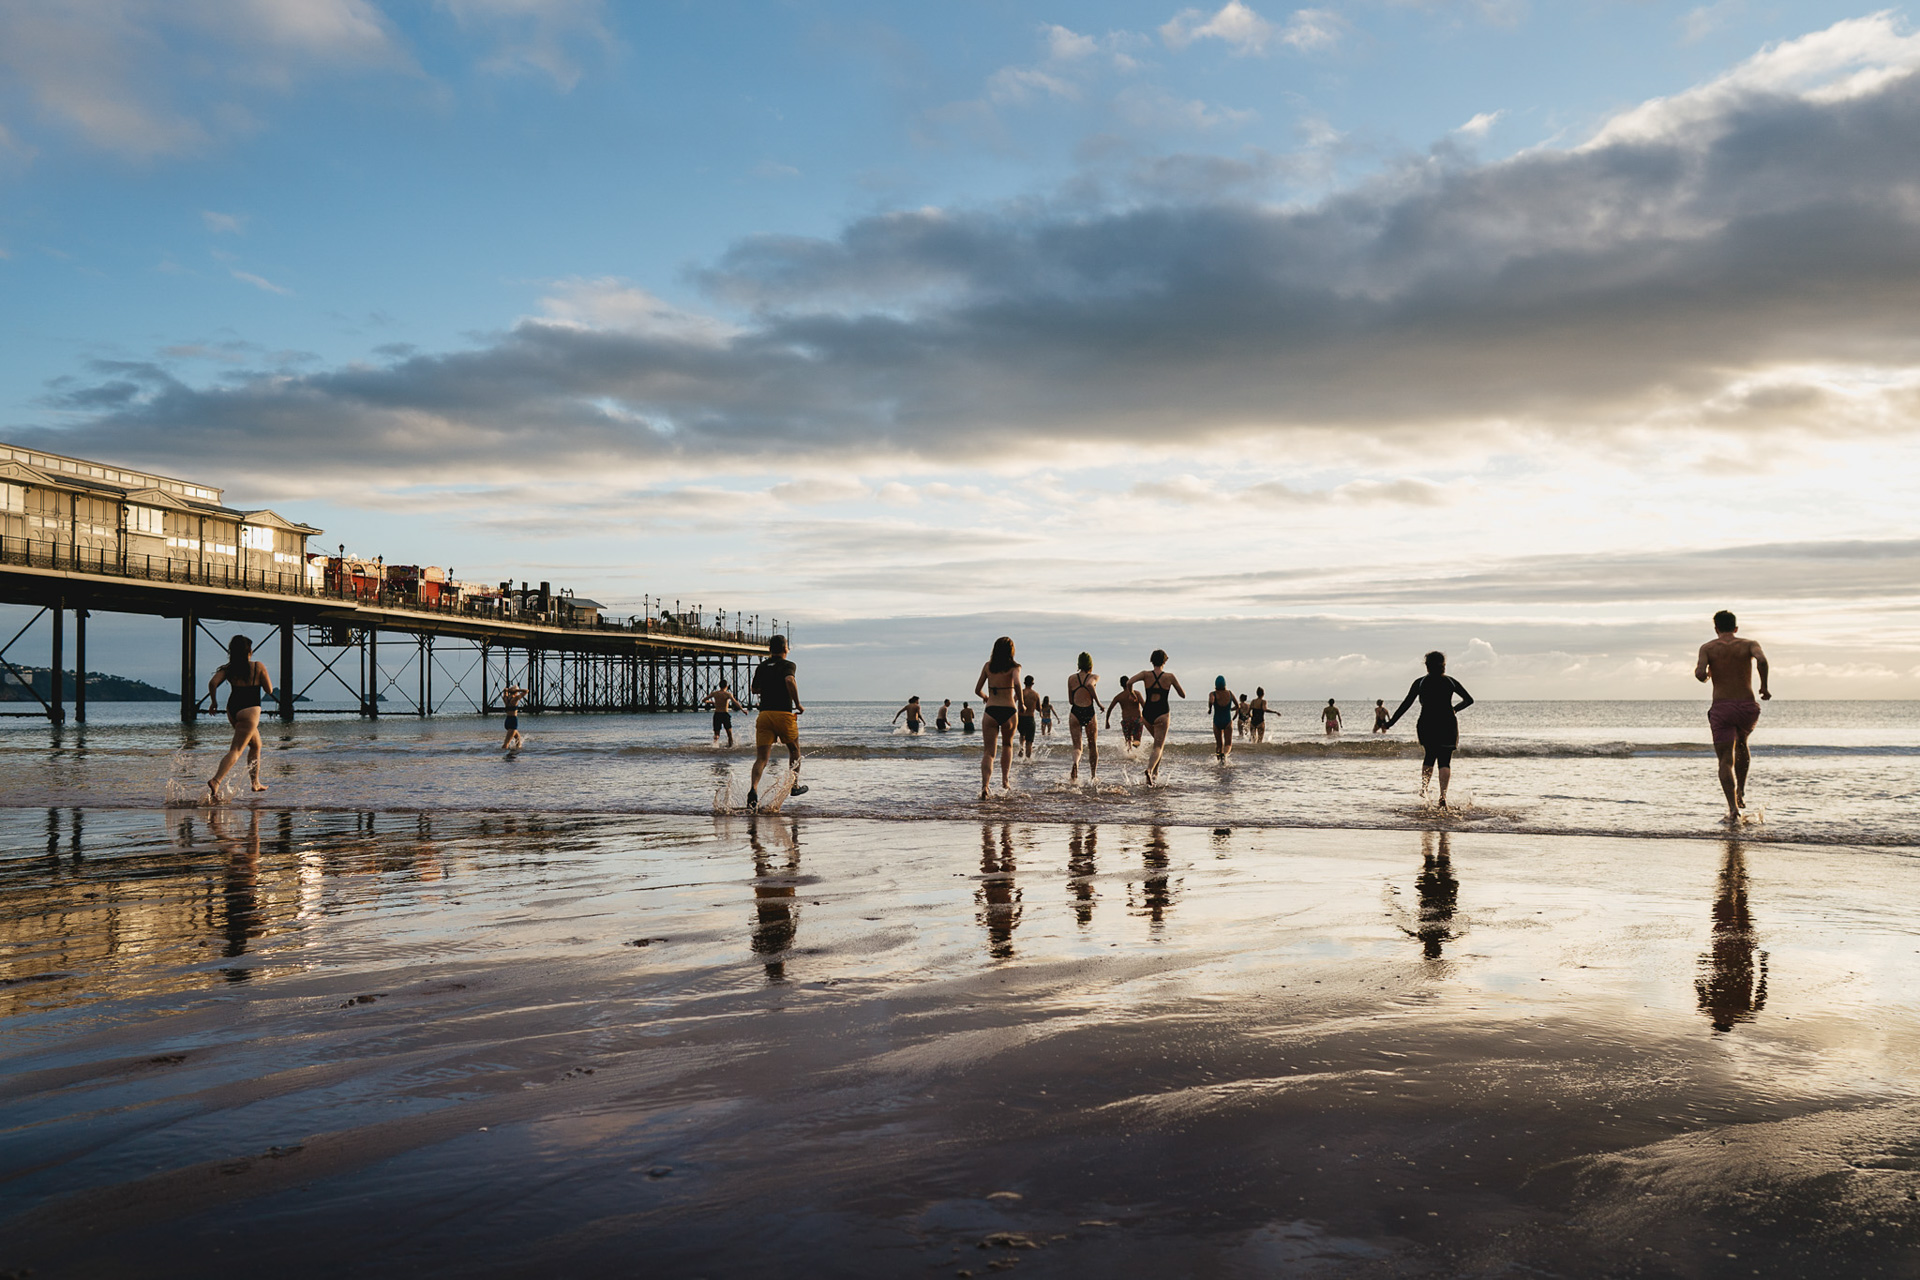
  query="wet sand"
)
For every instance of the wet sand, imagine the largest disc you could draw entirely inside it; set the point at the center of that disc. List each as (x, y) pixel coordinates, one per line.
(327, 1044)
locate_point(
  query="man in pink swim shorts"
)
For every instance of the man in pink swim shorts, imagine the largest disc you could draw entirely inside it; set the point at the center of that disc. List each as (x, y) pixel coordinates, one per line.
(1729, 662)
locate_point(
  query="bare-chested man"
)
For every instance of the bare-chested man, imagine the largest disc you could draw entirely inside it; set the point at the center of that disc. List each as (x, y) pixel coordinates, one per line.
(1029, 705)
(1729, 662)
(1132, 726)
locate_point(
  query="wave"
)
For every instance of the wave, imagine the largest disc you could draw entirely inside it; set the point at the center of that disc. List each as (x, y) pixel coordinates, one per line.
(1376, 749)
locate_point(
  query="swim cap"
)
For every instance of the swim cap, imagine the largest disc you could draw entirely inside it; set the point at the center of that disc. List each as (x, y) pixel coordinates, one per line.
(1219, 682)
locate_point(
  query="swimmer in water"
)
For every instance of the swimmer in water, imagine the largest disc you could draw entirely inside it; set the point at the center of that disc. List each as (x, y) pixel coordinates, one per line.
(940, 722)
(912, 712)
(1221, 703)
(1132, 727)
(1379, 715)
(1729, 662)
(1437, 728)
(724, 704)
(1330, 715)
(1243, 716)
(247, 682)
(1257, 709)
(966, 718)
(513, 695)
(1154, 684)
(1082, 703)
(1029, 707)
(1046, 715)
(999, 679)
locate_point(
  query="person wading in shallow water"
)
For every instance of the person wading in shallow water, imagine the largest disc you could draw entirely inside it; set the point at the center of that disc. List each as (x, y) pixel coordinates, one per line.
(247, 681)
(1029, 708)
(1437, 729)
(1082, 703)
(940, 721)
(512, 696)
(999, 678)
(1153, 685)
(779, 697)
(723, 703)
(966, 718)
(1132, 727)
(1330, 716)
(1380, 715)
(1258, 710)
(912, 712)
(1729, 662)
(1220, 703)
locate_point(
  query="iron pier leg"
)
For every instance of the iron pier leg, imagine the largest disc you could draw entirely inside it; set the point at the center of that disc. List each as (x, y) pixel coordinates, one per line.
(421, 707)
(286, 667)
(373, 672)
(56, 702)
(189, 668)
(80, 665)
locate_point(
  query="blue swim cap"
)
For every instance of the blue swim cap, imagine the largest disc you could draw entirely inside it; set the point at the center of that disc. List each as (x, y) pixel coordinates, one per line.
(1219, 682)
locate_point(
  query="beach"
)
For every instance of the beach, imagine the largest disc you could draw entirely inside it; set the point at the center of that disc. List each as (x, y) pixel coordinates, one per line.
(461, 1043)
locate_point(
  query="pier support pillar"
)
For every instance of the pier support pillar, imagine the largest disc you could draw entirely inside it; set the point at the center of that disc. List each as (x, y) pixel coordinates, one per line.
(189, 669)
(80, 665)
(57, 703)
(286, 668)
(373, 672)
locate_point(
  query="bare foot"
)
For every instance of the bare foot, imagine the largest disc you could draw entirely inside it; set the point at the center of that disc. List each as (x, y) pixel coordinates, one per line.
(259, 786)
(213, 793)
(983, 793)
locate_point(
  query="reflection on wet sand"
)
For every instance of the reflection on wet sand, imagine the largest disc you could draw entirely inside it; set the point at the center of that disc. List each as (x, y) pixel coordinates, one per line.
(998, 896)
(776, 909)
(1439, 894)
(1082, 866)
(240, 899)
(1156, 891)
(1732, 985)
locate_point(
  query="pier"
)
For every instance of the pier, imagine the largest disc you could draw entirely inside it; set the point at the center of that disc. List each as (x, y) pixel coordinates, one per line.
(395, 641)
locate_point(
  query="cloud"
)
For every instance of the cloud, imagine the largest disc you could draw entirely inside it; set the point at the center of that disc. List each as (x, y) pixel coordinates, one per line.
(260, 282)
(1480, 125)
(1246, 32)
(231, 224)
(1734, 264)
(145, 78)
(1187, 490)
(544, 37)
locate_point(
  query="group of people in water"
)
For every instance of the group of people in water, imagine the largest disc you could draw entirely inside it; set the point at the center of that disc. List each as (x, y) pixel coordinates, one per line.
(1015, 711)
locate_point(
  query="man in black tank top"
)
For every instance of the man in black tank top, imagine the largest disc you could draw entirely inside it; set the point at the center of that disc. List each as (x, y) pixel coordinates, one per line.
(779, 695)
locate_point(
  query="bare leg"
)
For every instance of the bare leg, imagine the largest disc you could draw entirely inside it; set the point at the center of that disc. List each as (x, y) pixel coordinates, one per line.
(1093, 750)
(1446, 776)
(246, 724)
(1730, 779)
(1741, 759)
(1006, 756)
(1159, 747)
(761, 751)
(1073, 727)
(1426, 779)
(987, 732)
(253, 758)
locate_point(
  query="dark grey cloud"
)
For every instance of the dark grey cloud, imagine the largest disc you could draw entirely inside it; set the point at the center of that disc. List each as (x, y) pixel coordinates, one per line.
(1568, 291)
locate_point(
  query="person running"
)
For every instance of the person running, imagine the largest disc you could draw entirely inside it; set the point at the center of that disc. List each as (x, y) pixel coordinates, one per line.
(912, 712)
(999, 679)
(1380, 714)
(513, 695)
(1154, 708)
(1330, 716)
(779, 697)
(1257, 709)
(1029, 708)
(1437, 727)
(724, 704)
(1046, 715)
(247, 682)
(1220, 701)
(1080, 715)
(966, 718)
(1729, 662)
(1243, 716)
(1132, 727)
(940, 721)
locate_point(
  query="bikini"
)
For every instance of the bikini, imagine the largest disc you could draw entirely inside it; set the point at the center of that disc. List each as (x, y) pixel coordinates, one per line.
(1002, 714)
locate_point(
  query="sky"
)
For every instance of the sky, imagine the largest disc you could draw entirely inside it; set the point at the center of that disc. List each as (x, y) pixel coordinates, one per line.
(1297, 341)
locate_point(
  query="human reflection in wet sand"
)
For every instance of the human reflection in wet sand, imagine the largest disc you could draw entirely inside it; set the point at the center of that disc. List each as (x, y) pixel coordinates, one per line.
(1732, 985)
(776, 908)
(998, 896)
(1156, 891)
(1439, 894)
(240, 889)
(1082, 851)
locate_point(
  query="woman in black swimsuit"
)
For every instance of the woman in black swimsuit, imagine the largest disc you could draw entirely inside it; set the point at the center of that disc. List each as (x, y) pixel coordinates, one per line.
(1080, 716)
(1437, 728)
(999, 680)
(247, 681)
(1153, 686)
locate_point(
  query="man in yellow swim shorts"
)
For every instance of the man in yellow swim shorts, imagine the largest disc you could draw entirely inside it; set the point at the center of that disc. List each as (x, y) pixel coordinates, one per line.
(773, 685)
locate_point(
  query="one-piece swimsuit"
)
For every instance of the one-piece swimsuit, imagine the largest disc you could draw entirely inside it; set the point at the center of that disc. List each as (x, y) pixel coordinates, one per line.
(1084, 714)
(1156, 700)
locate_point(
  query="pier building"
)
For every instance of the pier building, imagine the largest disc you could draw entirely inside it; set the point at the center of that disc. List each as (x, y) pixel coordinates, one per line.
(78, 536)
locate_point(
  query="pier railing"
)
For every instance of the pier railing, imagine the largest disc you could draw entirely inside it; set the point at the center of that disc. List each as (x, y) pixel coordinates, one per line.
(111, 562)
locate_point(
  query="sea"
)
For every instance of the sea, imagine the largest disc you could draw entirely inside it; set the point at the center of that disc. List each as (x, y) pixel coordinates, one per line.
(1824, 772)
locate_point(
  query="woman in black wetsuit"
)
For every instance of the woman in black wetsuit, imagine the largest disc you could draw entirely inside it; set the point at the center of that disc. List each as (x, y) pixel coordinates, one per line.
(1437, 729)
(1080, 716)
(1152, 686)
(248, 681)
(999, 680)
